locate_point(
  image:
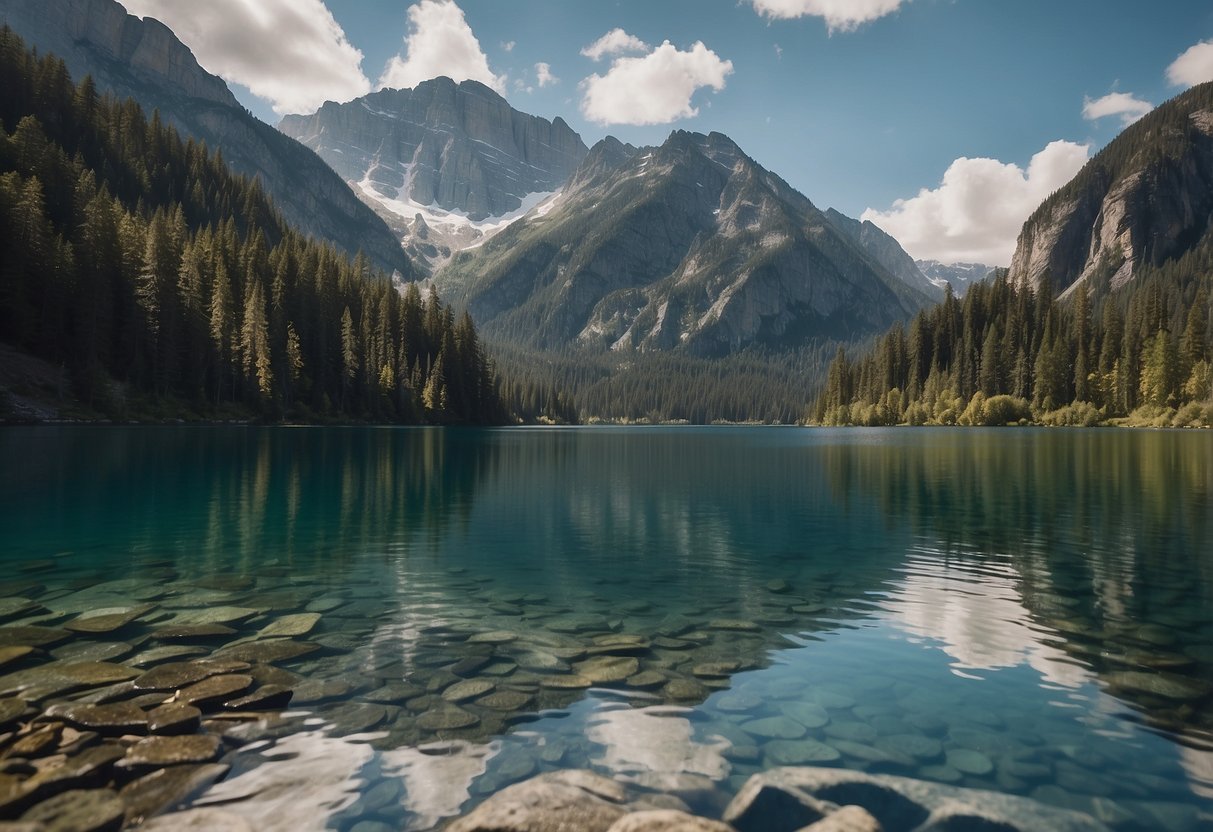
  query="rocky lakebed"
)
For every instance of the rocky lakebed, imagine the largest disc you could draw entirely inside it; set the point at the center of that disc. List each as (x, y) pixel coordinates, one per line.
(227, 702)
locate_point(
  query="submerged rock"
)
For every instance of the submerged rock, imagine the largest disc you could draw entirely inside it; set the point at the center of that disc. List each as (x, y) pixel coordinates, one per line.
(31, 636)
(83, 810)
(169, 751)
(107, 620)
(166, 789)
(114, 720)
(215, 690)
(174, 675)
(605, 669)
(299, 624)
(174, 718)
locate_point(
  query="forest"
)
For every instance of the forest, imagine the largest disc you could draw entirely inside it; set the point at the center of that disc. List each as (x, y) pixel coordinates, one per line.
(758, 386)
(166, 286)
(1007, 354)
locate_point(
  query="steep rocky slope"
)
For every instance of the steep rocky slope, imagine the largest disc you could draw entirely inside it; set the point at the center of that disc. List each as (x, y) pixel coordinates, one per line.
(690, 245)
(886, 251)
(143, 59)
(446, 164)
(1144, 199)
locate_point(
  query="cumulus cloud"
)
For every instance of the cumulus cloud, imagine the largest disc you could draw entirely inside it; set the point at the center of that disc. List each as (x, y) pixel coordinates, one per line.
(1194, 66)
(439, 42)
(978, 209)
(544, 76)
(614, 42)
(507, 45)
(292, 53)
(839, 15)
(653, 89)
(1123, 104)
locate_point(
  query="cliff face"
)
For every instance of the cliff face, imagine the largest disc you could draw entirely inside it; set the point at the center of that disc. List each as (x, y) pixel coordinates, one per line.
(144, 60)
(1146, 198)
(887, 251)
(690, 246)
(446, 165)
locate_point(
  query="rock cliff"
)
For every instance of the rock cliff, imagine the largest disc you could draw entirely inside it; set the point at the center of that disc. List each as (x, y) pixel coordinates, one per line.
(143, 59)
(887, 251)
(1144, 199)
(690, 245)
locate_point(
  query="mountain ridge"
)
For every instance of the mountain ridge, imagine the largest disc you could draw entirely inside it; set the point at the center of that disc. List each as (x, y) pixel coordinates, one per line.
(445, 164)
(688, 245)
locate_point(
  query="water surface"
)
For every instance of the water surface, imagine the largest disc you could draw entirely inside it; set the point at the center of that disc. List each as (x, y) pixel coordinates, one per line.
(1029, 611)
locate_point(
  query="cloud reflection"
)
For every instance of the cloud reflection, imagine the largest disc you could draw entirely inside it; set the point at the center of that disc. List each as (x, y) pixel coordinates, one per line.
(978, 614)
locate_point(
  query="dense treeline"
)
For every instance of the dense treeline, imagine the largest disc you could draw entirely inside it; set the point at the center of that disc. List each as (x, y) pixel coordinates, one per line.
(149, 271)
(631, 386)
(1010, 354)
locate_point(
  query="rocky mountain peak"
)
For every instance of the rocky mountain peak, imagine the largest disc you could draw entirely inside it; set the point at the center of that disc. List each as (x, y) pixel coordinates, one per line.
(457, 153)
(689, 245)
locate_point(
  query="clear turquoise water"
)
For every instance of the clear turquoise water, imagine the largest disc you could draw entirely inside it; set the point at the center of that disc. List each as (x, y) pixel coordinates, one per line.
(1029, 611)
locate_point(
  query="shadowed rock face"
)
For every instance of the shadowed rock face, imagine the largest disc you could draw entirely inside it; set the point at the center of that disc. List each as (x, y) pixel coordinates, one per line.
(144, 60)
(691, 246)
(1146, 198)
(886, 251)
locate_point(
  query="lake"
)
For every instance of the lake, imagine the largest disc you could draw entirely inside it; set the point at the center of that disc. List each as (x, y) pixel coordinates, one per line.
(1023, 610)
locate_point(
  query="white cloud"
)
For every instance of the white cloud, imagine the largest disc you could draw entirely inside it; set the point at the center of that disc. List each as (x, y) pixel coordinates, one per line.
(1123, 104)
(1194, 66)
(614, 42)
(839, 15)
(653, 89)
(544, 76)
(978, 209)
(507, 45)
(292, 53)
(439, 42)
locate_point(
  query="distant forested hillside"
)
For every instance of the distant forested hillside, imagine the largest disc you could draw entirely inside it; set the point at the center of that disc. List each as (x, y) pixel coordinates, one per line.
(165, 285)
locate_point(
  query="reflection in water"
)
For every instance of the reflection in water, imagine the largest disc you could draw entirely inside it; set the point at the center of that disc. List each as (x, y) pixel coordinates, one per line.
(975, 609)
(320, 780)
(1039, 599)
(437, 779)
(655, 743)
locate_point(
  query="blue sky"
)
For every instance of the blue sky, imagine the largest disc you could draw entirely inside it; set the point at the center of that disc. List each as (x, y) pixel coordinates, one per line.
(857, 103)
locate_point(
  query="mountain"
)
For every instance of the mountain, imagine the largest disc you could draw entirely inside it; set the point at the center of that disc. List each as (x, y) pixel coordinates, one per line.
(144, 60)
(886, 251)
(960, 276)
(691, 245)
(1144, 199)
(447, 165)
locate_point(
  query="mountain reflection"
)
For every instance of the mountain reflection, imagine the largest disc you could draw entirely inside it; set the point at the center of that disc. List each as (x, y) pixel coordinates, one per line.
(1059, 549)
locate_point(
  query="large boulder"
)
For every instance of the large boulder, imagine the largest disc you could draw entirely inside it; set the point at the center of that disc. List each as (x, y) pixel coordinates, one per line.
(900, 804)
(563, 801)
